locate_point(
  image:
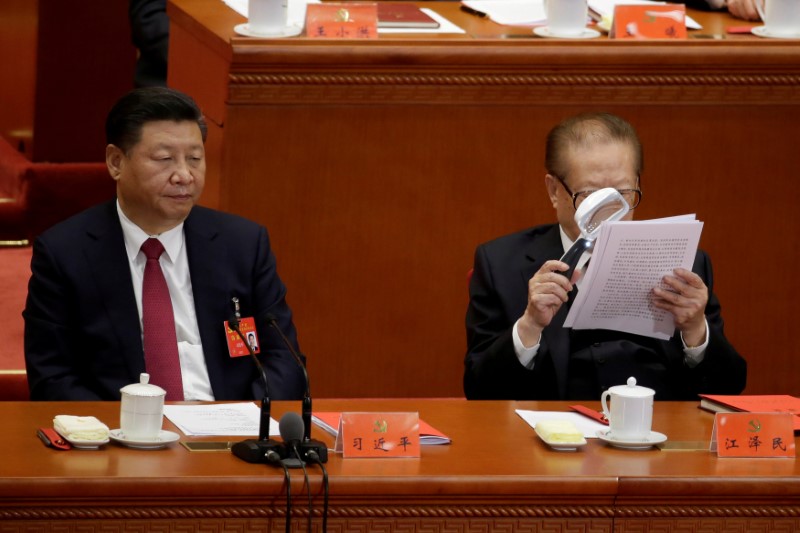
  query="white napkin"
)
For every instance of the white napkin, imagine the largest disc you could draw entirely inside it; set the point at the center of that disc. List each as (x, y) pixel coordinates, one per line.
(80, 427)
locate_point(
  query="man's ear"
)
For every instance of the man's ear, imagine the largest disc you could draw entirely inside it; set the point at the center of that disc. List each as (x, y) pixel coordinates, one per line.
(551, 182)
(114, 161)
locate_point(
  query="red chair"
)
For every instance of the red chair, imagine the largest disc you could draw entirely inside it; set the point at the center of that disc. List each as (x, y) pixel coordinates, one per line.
(14, 386)
(34, 196)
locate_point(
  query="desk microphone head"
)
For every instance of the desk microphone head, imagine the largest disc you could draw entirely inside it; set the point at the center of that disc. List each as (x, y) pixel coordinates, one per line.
(291, 428)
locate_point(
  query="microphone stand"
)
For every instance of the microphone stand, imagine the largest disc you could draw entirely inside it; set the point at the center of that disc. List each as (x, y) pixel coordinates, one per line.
(273, 321)
(264, 450)
(308, 447)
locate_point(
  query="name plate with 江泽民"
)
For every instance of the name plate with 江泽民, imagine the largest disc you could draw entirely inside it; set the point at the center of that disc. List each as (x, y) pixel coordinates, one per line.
(378, 435)
(342, 21)
(753, 435)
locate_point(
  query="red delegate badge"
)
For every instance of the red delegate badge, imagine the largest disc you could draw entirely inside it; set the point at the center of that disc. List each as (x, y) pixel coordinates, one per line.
(236, 346)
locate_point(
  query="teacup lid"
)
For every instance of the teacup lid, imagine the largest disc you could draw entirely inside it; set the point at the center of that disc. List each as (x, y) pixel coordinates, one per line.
(143, 388)
(631, 389)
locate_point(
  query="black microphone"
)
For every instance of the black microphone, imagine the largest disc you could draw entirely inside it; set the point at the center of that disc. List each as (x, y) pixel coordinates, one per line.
(298, 449)
(273, 321)
(263, 450)
(308, 444)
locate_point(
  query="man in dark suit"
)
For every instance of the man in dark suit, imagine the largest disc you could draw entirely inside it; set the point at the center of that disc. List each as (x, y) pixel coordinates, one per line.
(84, 335)
(519, 298)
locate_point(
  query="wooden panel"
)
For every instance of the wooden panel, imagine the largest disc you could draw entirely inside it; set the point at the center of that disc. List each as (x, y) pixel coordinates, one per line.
(78, 79)
(379, 167)
(18, 26)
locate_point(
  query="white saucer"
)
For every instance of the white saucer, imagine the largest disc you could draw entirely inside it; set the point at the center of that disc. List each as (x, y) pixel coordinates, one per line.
(287, 31)
(762, 31)
(587, 33)
(79, 444)
(638, 444)
(164, 439)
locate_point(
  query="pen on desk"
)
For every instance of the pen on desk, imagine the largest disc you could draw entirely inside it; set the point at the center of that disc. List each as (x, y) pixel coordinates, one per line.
(471, 11)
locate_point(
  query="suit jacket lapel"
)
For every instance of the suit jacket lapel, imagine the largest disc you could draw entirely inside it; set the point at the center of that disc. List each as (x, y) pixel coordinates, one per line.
(555, 337)
(108, 262)
(206, 254)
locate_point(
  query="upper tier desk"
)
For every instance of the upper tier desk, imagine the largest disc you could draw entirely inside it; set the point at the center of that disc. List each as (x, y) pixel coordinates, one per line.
(379, 166)
(495, 476)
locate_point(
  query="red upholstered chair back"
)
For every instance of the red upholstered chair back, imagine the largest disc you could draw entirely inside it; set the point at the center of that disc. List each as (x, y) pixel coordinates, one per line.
(34, 196)
(13, 386)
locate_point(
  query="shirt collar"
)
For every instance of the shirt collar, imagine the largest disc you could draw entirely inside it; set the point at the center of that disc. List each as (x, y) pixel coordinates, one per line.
(135, 237)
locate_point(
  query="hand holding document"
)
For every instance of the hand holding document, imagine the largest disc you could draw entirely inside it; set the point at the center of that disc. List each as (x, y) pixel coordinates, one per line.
(629, 259)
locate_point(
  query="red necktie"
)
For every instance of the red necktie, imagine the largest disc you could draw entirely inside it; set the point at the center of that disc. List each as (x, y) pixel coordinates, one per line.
(160, 341)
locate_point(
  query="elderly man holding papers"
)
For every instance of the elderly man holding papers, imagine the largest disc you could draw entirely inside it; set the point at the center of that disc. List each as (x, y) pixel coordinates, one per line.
(517, 347)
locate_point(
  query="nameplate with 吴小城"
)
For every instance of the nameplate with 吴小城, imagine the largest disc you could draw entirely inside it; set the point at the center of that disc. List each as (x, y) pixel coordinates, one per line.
(342, 21)
(378, 435)
(753, 435)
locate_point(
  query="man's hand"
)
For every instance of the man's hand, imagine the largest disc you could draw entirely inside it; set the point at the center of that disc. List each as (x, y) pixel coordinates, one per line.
(743, 9)
(686, 300)
(548, 289)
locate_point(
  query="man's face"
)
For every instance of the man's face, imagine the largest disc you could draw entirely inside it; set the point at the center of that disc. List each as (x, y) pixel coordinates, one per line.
(162, 176)
(593, 167)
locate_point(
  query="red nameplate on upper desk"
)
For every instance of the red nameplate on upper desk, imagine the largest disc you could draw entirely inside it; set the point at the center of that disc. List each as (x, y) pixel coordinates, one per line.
(378, 435)
(666, 21)
(753, 435)
(342, 21)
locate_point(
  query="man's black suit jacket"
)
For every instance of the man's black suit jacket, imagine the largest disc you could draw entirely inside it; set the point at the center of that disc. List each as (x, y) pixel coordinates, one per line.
(82, 328)
(498, 297)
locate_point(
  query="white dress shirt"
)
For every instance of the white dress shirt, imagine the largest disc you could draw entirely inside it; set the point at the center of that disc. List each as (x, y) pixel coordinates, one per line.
(527, 354)
(175, 266)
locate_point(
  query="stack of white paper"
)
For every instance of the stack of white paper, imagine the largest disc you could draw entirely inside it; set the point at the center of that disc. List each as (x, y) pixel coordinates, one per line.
(228, 419)
(629, 259)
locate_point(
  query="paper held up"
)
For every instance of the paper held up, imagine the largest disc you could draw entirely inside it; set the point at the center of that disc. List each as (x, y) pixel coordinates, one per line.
(629, 259)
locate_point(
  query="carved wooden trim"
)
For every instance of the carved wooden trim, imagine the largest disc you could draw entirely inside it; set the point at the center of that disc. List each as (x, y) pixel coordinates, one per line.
(715, 511)
(513, 89)
(301, 511)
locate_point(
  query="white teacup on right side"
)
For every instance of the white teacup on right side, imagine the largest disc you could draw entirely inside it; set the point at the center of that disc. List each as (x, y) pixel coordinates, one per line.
(781, 17)
(566, 18)
(631, 414)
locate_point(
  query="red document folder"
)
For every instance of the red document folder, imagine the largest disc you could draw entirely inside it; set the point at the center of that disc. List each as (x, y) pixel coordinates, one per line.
(402, 15)
(769, 403)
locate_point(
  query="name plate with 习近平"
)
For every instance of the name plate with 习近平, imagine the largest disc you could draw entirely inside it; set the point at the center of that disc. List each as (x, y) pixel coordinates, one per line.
(753, 435)
(378, 435)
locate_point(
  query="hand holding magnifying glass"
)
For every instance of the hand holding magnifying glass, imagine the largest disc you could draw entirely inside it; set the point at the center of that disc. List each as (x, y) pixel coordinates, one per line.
(600, 206)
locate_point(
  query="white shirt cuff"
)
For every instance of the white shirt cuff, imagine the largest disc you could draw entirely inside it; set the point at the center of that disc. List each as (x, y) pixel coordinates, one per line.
(525, 355)
(694, 355)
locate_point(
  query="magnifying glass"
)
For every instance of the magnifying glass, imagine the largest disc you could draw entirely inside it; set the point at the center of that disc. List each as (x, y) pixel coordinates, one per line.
(600, 206)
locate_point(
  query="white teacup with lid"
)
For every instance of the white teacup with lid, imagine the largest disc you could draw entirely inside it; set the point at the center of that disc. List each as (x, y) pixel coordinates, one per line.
(142, 411)
(631, 413)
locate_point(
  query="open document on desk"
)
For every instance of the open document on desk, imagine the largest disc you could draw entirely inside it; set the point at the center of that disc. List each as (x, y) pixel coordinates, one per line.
(629, 259)
(532, 12)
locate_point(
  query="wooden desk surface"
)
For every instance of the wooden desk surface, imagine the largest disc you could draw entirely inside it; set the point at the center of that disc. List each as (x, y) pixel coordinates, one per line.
(495, 464)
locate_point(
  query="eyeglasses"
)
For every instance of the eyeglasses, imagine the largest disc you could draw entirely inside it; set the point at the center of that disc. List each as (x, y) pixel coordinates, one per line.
(632, 196)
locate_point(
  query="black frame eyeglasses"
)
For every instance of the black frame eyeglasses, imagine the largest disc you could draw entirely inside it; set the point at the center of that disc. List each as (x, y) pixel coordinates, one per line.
(632, 196)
